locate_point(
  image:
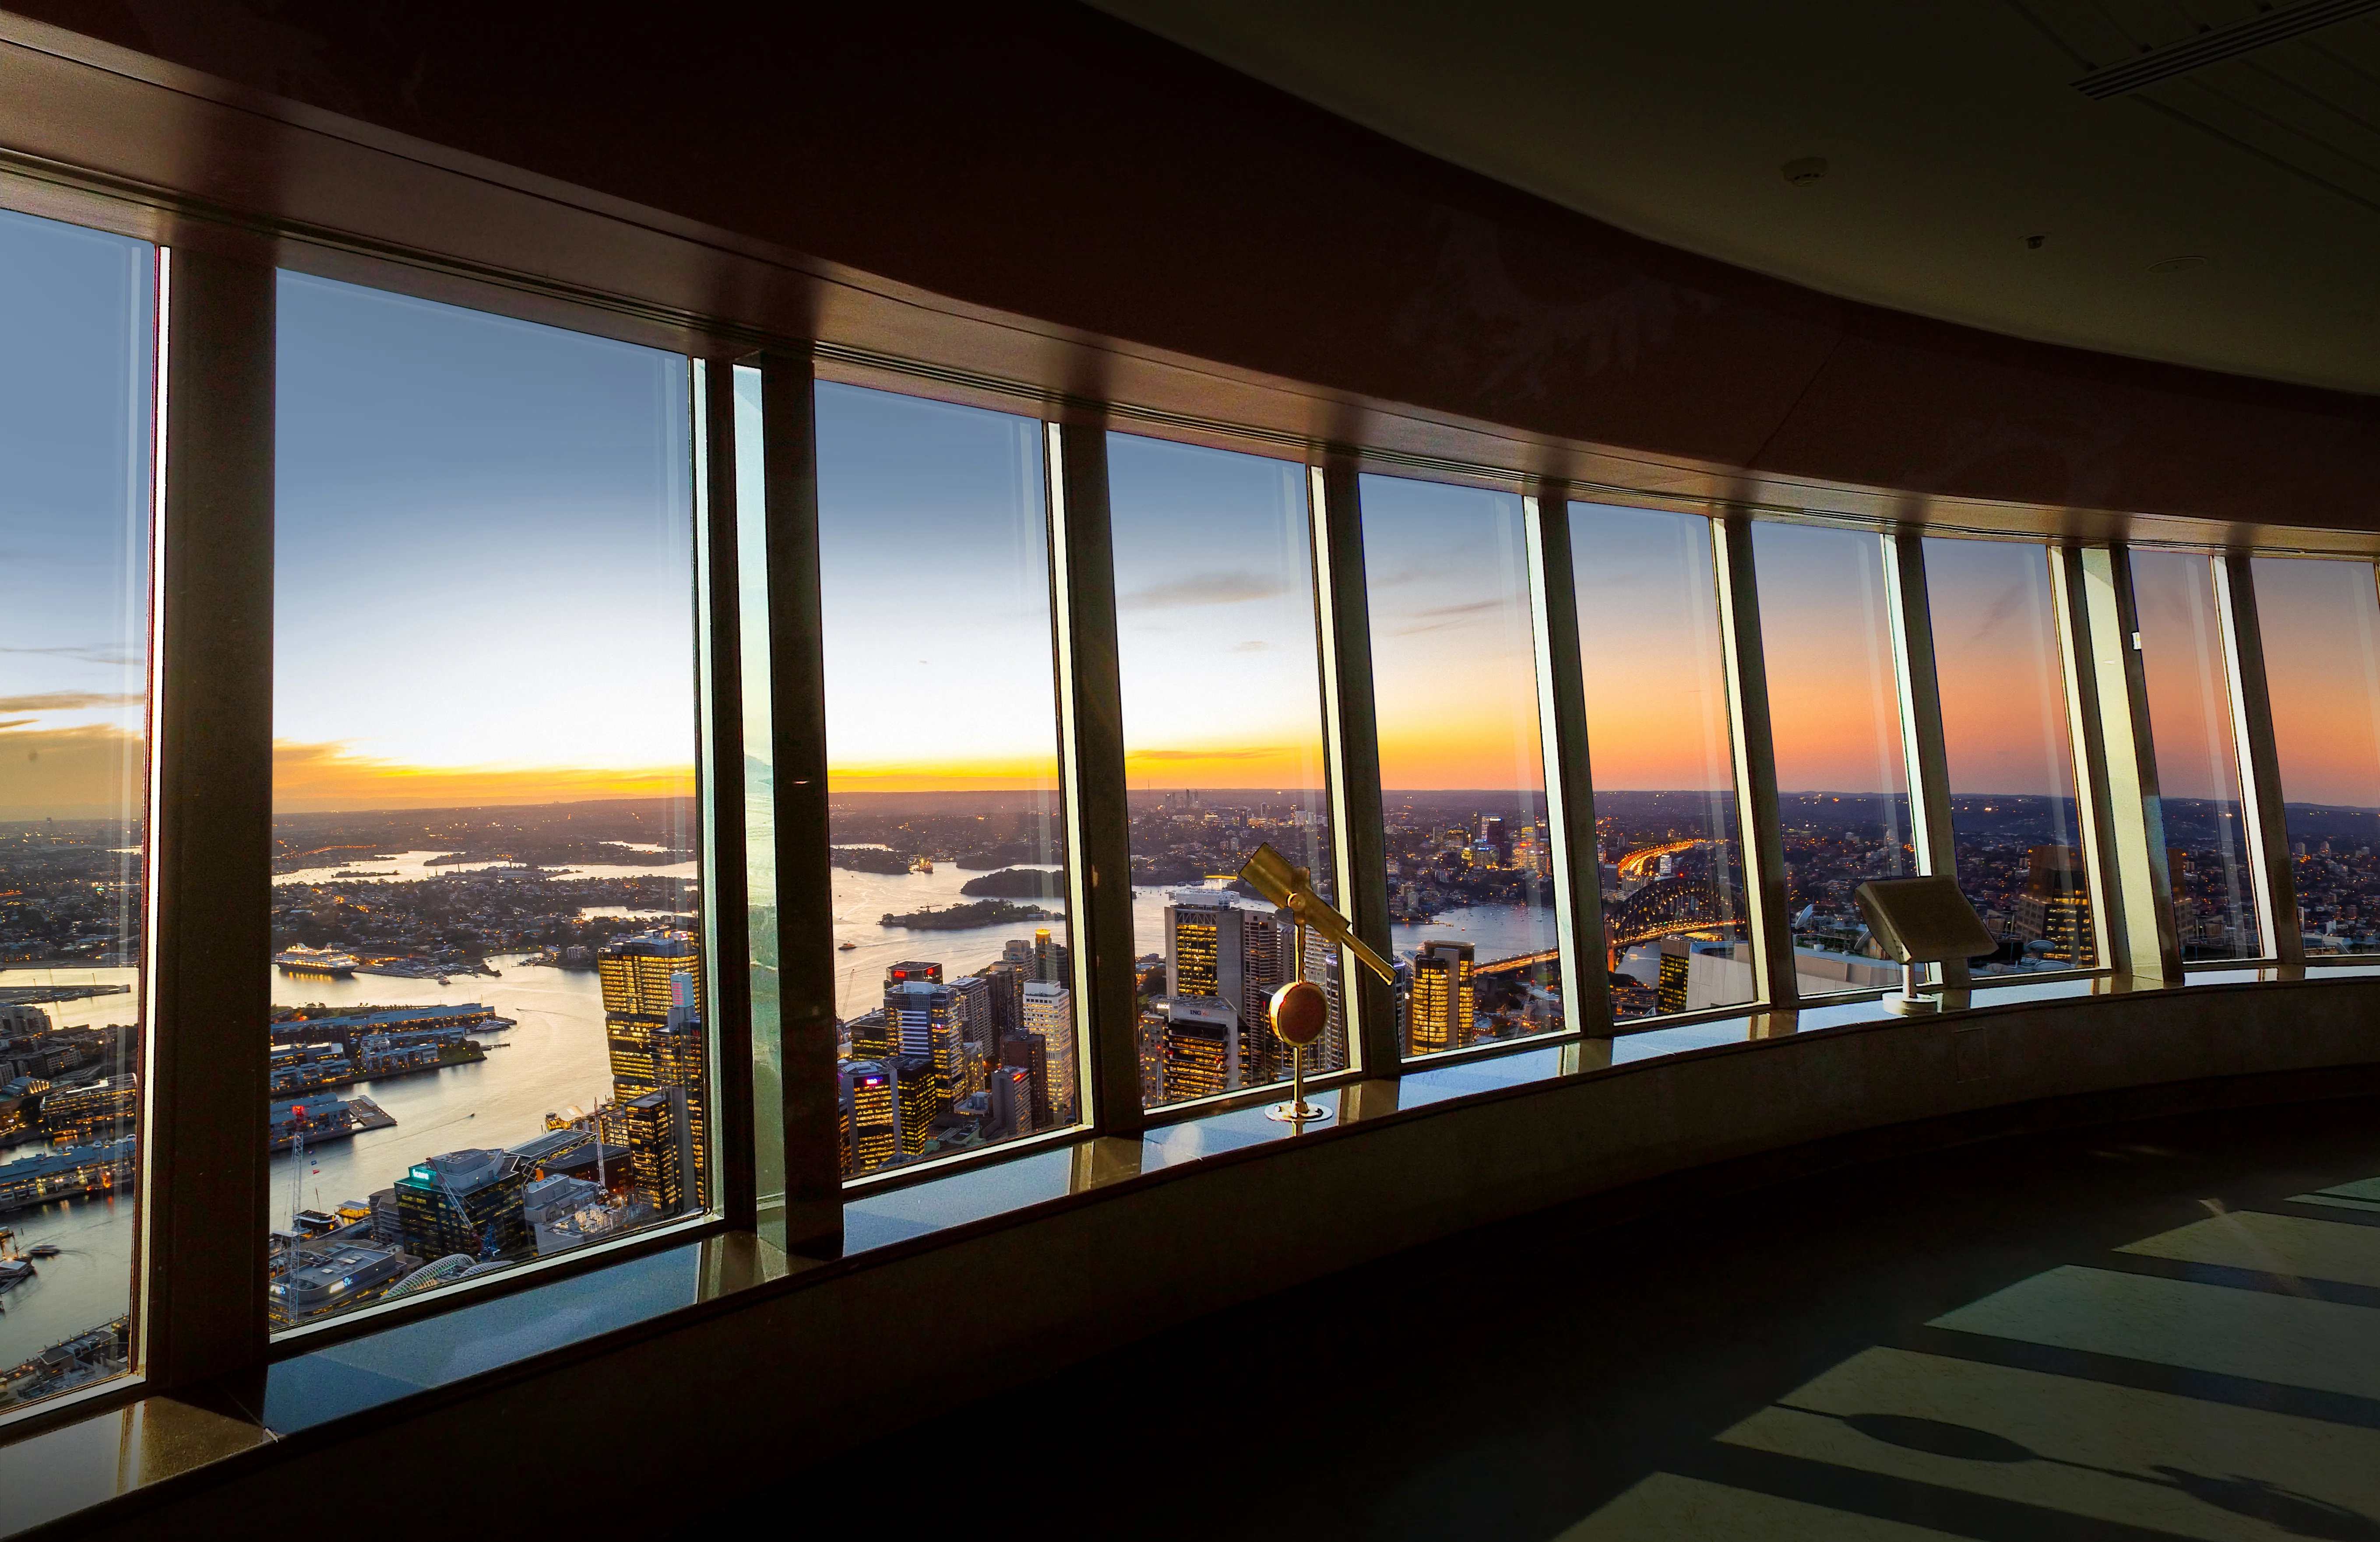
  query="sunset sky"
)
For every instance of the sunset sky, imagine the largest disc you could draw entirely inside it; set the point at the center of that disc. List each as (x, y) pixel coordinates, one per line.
(1996, 654)
(1833, 702)
(2182, 652)
(76, 323)
(484, 582)
(1454, 668)
(1657, 715)
(2321, 623)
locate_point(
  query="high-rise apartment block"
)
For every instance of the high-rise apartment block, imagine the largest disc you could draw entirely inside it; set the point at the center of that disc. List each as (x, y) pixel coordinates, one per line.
(660, 1139)
(2055, 905)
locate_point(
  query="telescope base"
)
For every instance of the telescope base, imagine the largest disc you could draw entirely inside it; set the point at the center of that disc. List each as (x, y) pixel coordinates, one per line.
(1297, 1113)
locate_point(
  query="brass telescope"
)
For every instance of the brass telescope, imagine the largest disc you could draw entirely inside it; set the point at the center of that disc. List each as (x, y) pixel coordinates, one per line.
(1269, 874)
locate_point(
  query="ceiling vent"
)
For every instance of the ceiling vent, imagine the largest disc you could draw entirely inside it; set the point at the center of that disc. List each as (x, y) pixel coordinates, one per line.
(2218, 44)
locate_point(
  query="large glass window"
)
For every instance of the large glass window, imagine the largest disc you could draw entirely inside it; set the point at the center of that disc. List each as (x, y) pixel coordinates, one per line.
(77, 361)
(954, 979)
(2019, 856)
(1222, 721)
(2321, 626)
(2197, 755)
(1463, 770)
(1662, 755)
(1833, 710)
(489, 1039)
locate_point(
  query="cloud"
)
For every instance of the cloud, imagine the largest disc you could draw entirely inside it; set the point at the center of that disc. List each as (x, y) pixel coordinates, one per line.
(1251, 646)
(1439, 618)
(68, 701)
(1203, 588)
(91, 770)
(117, 656)
(1205, 754)
(321, 777)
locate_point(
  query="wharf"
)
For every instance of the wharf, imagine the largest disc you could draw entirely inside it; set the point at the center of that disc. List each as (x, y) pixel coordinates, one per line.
(37, 995)
(361, 1114)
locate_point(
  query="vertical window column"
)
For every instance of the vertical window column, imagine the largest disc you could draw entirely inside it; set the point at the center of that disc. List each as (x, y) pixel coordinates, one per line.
(212, 764)
(2265, 821)
(2141, 934)
(1909, 615)
(1755, 758)
(1568, 831)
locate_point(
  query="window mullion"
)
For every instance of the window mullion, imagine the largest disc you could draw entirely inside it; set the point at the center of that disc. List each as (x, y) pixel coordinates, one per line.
(2086, 742)
(2144, 937)
(1569, 783)
(1927, 761)
(1350, 710)
(210, 837)
(1098, 826)
(2260, 772)
(720, 789)
(1758, 824)
(797, 764)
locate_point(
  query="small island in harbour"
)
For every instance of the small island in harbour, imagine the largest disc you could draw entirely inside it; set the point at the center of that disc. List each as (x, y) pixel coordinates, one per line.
(959, 918)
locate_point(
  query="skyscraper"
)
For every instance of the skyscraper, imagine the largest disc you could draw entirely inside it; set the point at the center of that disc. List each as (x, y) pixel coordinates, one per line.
(915, 1093)
(1202, 1047)
(1049, 1022)
(653, 1030)
(466, 1202)
(913, 969)
(1445, 1003)
(871, 1095)
(2055, 905)
(660, 1139)
(922, 1020)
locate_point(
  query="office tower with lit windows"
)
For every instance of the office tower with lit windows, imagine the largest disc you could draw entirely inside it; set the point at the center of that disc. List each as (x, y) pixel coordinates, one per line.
(1202, 945)
(915, 1091)
(1022, 1051)
(922, 1020)
(466, 1202)
(1004, 994)
(653, 1030)
(2056, 906)
(869, 1091)
(1049, 1022)
(971, 1009)
(1010, 1090)
(659, 1133)
(1202, 1047)
(1445, 1000)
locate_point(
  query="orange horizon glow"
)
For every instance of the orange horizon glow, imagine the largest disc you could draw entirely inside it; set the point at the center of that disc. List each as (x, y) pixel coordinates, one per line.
(329, 777)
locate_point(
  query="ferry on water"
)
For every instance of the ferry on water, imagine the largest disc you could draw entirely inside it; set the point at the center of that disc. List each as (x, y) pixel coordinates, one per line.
(923, 865)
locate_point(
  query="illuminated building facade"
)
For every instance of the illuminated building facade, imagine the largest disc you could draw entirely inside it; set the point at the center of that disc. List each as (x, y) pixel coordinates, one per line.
(658, 1131)
(653, 1030)
(2056, 906)
(871, 1114)
(1202, 1047)
(922, 1021)
(466, 1202)
(1049, 1025)
(1445, 1000)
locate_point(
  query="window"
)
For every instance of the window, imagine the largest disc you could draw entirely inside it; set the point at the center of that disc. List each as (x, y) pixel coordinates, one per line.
(760, 799)
(1223, 718)
(1834, 711)
(2320, 626)
(1661, 752)
(1463, 769)
(490, 1042)
(2191, 721)
(78, 335)
(2021, 859)
(954, 979)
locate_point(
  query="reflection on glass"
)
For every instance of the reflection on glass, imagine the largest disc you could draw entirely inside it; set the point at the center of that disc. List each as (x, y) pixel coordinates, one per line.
(489, 1036)
(2321, 626)
(2011, 761)
(760, 798)
(2197, 755)
(1223, 721)
(1463, 770)
(1663, 759)
(78, 313)
(1834, 708)
(954, 981)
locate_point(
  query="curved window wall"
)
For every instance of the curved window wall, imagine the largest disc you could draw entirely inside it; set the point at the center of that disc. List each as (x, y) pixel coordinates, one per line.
(490, 1039)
